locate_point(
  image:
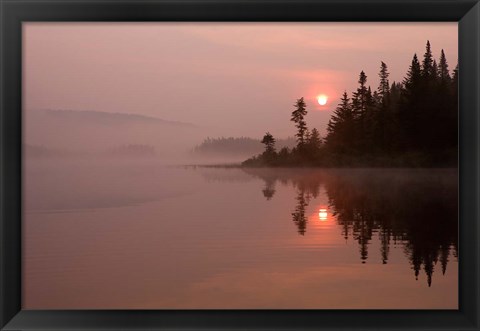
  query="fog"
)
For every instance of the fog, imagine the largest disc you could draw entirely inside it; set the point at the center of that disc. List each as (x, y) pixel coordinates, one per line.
(189, 81)
(88, 135)
(119, 210)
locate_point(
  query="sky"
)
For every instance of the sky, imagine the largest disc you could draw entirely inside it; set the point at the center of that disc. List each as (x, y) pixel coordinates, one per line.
(237, 79)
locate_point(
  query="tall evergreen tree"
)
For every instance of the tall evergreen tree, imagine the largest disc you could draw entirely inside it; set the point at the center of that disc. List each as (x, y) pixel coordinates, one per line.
(443, 72)
(408, 112)
(340, 129)
(383, 87)
(363, 107)
(383, 124)
(427, 63)
(412, 80)
(298, 117)
(430, 119)
(360, 97)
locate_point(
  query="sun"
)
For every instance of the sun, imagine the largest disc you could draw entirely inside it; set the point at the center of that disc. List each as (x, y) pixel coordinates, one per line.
(322, 99)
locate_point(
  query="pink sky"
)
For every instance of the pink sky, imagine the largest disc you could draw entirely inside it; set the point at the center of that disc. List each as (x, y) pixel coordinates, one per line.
(239, 78)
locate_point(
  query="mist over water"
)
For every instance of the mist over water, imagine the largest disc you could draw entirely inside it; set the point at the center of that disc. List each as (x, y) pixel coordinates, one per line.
(139, 234)
(96, 135)
(134, 197)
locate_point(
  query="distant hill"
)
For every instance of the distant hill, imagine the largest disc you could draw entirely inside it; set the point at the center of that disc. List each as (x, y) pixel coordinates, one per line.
(94, 132)
(100, 117)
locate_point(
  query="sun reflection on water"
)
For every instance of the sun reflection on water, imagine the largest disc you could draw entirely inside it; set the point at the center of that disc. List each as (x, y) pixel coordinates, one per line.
(323, 214)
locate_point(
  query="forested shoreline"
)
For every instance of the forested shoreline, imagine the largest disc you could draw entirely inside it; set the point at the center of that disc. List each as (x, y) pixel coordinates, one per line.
(229, 146)
(413, 123)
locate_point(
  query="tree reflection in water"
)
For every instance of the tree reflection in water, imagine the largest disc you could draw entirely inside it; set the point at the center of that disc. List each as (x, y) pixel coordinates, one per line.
(415, 208)
(269, 190)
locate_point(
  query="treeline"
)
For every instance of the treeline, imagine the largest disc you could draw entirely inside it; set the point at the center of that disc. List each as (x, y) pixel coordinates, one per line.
(408, 123)
(230, 146)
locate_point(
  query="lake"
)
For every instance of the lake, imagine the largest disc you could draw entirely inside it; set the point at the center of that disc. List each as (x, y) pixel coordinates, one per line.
(141, 235)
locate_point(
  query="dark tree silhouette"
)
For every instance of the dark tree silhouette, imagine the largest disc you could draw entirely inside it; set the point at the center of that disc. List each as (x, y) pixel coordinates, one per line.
(371, 205)
(298, 117)
(314, 139)
(435, 70)
(231, 146)
(412, 81)
(362, 104)
(340, 129)
(408, 124)
(455, 77)
(443, 72)
(383, 87)
(428, 71)
(360, 97)
(269, 190)
(384, 118)
(298, 215)
(313, 146)
(269, 143)
(409, 108)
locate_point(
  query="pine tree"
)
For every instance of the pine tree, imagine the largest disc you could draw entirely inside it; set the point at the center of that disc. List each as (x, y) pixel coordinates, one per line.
(359, 99)
(363, 107)
(383, 87)
(427, 63)
(298, 117)
(408, 112)
(269, 143)
(314, 141)
(414, 73)
(435, 70)
(370, 98)
(340, 129)
(443, 73)
(455, 75)
(383, 121)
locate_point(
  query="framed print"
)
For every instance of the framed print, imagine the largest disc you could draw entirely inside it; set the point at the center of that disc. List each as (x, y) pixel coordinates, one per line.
(239, 165)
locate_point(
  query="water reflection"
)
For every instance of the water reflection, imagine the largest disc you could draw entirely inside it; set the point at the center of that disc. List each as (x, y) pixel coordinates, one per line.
(323, 214)
(413, 208)
(257, 239)
(299, 214)
(269, 190)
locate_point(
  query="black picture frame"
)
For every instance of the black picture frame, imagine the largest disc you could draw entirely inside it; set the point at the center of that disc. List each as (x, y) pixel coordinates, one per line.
(14, 12)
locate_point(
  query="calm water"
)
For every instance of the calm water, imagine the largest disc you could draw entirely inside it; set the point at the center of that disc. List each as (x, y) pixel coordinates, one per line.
(146, 236)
